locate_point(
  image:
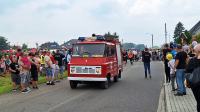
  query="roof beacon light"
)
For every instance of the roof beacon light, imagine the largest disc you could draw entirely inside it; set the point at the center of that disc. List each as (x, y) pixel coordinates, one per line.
(81, 38)
(99, 37)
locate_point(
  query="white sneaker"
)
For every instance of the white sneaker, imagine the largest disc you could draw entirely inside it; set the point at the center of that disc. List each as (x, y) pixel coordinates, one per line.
(29, 89)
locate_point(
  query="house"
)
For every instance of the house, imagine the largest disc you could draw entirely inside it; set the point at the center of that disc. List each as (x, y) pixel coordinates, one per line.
(69, 44)
(50, 46)
(183, 36)
(195, 29)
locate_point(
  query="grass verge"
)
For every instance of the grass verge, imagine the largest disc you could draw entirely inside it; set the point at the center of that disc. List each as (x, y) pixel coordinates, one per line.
(6, 84)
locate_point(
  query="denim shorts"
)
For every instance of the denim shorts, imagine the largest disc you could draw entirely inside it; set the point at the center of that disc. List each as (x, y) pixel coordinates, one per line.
(24, 77)
(15, 78)
(49, 72)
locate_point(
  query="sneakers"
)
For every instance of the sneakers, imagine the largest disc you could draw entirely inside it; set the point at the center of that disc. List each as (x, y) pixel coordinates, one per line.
(48, 83)
(29, 89)
(25, 91)
(150, 76)
(178, 94)
(35, 87)
(52, 83)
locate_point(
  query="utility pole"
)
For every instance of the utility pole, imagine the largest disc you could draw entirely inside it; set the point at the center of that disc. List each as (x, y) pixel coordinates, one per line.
(165, 33)
(152, 41)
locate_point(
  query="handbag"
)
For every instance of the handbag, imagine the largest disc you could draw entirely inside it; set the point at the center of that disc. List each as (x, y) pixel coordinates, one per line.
(194, 77)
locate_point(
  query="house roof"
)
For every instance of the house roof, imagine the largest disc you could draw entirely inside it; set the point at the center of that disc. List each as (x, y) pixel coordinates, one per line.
(50, 45)
(195, 29)
(69, 43)
(183, 36)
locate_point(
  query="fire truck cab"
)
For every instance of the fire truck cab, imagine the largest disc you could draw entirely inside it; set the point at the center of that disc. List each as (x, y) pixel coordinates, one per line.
(95, 59)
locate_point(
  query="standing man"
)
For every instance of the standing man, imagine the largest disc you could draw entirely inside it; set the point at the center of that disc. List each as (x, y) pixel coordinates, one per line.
(146, 60)
(180, 65)
(25, 66)
(59, 57)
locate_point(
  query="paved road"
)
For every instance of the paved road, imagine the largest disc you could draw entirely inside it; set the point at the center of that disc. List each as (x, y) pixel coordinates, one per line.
(132, 94)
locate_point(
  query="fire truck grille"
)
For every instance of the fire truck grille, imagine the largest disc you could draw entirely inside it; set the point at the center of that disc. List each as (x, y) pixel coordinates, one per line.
(82, 70)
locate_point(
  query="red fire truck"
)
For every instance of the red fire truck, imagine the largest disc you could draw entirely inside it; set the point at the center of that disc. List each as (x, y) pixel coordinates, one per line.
(95, 59)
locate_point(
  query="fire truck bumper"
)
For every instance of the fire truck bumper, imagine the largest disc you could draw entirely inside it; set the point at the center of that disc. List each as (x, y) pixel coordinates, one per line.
(86, 79)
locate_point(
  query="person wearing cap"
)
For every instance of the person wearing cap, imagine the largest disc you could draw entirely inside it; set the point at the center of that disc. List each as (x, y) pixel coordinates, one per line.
(180, 65)
(171, 64)
(146, 58)
(192, 65)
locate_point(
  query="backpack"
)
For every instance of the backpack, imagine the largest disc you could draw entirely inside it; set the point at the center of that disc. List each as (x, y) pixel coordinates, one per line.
(194, 77)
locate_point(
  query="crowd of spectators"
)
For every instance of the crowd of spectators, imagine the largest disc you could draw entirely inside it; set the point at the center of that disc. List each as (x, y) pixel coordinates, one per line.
(179, 60)
(24, 67)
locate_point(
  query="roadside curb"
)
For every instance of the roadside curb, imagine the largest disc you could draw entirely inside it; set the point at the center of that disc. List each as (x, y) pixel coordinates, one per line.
(162, 104)
(162, 100)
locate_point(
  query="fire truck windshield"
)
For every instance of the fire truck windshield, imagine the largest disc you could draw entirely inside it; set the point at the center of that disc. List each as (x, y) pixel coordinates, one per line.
(88, 50)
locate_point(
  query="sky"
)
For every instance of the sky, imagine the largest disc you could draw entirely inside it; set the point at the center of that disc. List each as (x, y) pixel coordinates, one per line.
(39, 21)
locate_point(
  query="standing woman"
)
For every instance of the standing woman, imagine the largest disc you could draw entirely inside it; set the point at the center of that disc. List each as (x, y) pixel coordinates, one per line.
(34, 70)
(166, 50)
(194, 63)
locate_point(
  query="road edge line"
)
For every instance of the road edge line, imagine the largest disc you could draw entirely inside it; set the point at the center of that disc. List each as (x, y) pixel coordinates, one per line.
(162, 106)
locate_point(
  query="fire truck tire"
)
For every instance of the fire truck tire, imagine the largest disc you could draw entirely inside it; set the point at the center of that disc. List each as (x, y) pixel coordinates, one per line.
(106, 84)
(116, 78)
(73, 84)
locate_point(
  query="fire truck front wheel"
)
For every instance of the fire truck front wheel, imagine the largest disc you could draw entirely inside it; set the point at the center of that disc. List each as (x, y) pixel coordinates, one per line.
(73, 84)
(116, 78)
(106, 84)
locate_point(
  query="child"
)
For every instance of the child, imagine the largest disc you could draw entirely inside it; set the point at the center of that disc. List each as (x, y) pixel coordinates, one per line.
(171, 64)
(15, 77)
(55, 71)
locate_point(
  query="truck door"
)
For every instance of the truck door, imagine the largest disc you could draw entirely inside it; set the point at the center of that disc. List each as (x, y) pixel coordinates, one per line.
(119, 56)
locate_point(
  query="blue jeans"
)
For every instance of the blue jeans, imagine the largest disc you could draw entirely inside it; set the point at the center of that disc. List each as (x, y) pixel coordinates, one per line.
(61, 70)
(147, 67)
(49, 72)
(180, 78)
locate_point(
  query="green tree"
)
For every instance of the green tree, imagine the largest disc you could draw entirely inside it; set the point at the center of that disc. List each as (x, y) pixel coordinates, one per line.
(197, 37)
(24, 46)
(4, 44)
(178, 31)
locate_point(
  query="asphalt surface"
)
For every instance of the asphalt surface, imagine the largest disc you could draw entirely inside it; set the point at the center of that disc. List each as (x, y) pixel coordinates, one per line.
(133, 93)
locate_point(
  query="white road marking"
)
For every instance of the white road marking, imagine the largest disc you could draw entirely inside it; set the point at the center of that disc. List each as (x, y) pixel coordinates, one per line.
(52, 109)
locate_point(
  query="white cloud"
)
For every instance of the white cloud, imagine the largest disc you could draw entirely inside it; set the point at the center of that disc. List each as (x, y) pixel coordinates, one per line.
(61, 20)
(141, 7)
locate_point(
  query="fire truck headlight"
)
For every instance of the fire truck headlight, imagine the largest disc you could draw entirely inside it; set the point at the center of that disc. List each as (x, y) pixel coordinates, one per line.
(98, 70)
(72, 70)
